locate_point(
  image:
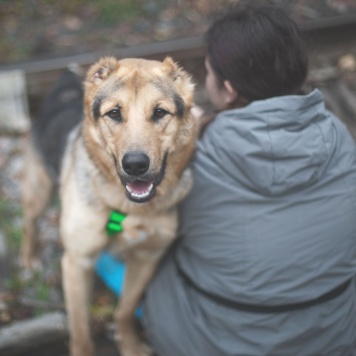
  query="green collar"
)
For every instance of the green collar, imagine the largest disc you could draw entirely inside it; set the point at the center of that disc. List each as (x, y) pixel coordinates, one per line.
(113, 225)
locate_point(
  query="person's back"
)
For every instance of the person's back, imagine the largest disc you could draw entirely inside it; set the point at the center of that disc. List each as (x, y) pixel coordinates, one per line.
(266, 260)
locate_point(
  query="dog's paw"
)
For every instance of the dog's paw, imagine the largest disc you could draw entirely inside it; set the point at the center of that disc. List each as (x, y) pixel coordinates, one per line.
(81, 350)
(137, 349)
(130, 344)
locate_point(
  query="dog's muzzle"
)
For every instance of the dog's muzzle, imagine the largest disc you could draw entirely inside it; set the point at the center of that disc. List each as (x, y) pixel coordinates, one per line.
(140, 184)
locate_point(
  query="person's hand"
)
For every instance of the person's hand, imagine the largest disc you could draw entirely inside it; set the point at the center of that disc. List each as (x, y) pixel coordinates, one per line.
(197, 112)
(203, 117)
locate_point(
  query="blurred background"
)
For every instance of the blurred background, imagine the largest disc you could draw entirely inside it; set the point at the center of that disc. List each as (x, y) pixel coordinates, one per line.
(38, 40)
(42, 29)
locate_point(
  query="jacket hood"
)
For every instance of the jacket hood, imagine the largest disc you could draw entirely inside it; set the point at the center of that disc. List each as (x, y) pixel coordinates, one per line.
(273, 145)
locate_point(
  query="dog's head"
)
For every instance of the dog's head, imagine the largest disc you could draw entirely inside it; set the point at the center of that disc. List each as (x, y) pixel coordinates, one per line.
(138, 124)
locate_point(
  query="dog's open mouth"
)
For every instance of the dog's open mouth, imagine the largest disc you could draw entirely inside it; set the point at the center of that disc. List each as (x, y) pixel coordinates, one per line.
(139, 191)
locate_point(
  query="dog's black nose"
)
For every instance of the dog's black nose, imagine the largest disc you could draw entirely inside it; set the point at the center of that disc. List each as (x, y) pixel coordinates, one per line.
(135, 163)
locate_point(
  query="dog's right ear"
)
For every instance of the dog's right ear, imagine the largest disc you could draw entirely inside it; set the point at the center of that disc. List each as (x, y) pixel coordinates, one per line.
(101, 70)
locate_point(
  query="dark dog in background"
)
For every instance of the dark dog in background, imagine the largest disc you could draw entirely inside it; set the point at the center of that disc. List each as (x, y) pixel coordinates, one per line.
(61, 111)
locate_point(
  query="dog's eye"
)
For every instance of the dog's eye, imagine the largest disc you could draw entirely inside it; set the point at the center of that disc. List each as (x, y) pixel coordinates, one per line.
(114, 114)
(159, 114)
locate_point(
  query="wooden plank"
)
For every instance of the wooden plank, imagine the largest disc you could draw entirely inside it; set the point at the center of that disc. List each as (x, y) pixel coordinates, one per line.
(20, 337)
(192, 47)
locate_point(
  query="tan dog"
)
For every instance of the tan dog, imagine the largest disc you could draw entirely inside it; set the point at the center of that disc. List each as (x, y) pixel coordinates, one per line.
(129, 154)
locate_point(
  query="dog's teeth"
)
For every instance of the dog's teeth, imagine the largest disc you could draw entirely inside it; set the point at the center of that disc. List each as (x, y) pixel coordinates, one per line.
(142, 195)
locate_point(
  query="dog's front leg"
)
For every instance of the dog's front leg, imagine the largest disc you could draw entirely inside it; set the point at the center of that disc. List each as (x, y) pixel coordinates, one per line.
(147, 239)
(140, 267)
(77, 282)
(83, 237)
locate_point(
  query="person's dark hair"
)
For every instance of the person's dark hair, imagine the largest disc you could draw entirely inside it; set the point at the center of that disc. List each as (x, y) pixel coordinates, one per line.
(259, 51)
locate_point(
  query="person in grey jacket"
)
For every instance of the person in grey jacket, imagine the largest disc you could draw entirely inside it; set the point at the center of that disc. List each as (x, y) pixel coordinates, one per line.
(265, 260)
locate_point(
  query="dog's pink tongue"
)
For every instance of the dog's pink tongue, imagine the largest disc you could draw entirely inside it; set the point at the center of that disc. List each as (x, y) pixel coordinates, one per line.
(139, 187)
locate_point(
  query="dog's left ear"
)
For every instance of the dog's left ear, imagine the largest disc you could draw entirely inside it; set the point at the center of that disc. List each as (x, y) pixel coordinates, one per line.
(181, 78)
(173, 70)
(101, 70)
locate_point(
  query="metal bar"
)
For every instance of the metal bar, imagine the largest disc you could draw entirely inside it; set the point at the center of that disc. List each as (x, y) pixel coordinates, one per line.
(146, 50)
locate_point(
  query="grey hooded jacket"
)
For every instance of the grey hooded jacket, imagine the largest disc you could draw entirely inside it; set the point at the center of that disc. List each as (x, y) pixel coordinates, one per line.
(271, 220)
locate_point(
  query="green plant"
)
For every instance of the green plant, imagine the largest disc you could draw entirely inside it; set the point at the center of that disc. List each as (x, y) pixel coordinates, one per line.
(10, 215)
(114, 11)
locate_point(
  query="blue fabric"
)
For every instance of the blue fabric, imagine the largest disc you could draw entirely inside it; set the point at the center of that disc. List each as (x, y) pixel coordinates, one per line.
(112, 272)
